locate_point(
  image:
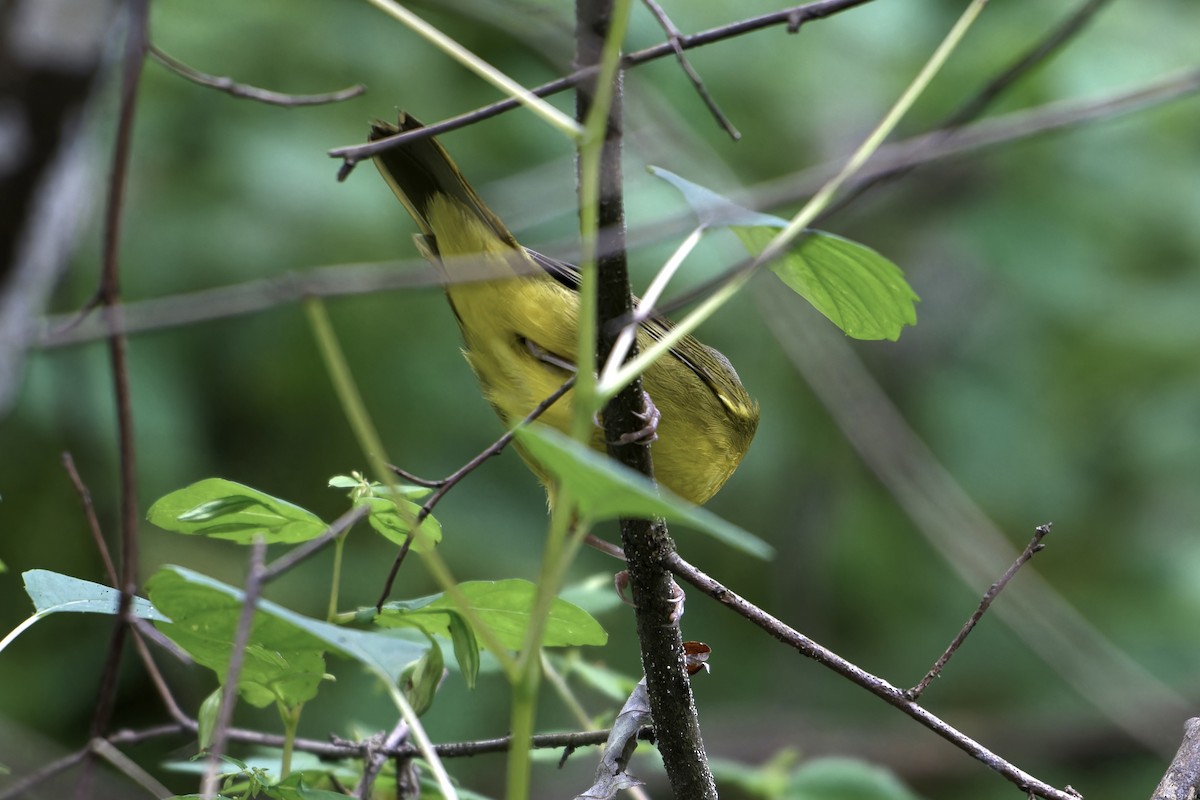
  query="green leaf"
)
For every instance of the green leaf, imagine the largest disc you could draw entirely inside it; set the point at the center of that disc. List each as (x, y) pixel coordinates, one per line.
(714, 210)
(287, 649)
(845, 779)
(466, 647)
(227, 510)
(52, 592)
(859, 290)
(296, 787)
(363, 487)
(504, 606)
(855, 287)
(422, 678)
(282, 662)
(606, 489)
(394, 525)
(207, 718)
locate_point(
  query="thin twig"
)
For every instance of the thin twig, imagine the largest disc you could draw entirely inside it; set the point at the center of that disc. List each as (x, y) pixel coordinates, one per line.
(374, 761)
(110, 295)
(31, 781)
(44, 773)
(130, 768)
(147, 631)
(791, 17)
(160, 684)
(929, 147)
(673, 38)
(89, 511)
(448, 483)
(230, 87)
(1035, 546)
(299, 554)
(321, 749)
(237, 655)
(875, 685)
(253, 296)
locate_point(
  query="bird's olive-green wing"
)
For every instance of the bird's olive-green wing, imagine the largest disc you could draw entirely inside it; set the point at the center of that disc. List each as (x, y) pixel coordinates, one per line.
(709, 365)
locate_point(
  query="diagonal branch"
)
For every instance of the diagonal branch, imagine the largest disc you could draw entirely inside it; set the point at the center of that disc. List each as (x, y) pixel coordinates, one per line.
(873, 684)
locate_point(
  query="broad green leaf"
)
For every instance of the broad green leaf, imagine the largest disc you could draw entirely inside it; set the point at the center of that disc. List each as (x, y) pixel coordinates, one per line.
(52, 592)
(282, 663)
(388, 520)
(855, 287)
(606, 489)
(504, 606)
(227, 510)
(384, 654)
(859, 290)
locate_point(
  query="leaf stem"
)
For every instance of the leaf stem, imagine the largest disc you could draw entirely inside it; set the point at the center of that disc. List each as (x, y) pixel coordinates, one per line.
(335, 582)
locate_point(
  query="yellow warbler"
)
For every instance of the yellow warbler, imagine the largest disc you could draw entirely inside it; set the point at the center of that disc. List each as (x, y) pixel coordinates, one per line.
(518, 313)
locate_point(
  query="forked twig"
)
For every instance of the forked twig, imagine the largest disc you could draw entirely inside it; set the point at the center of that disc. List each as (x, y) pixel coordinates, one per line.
(1035, 546)
(793, 18)
(674, 36)
(873, 684)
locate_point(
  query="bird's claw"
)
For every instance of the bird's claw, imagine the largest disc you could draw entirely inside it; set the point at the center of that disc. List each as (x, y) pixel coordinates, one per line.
(647, 433)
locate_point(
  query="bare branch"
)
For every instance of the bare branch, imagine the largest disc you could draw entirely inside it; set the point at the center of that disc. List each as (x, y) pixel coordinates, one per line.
(1035, 546)
(1182, 780)
(89, 511)
(109, 293)
(373, 762)
(351, 279)
(309, 548)
(230, 87)
(793, 18)
(875, 685)
(129, 767)
(673, 38)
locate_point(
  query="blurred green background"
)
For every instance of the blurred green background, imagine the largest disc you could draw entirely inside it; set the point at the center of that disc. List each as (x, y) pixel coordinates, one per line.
(1054, 373)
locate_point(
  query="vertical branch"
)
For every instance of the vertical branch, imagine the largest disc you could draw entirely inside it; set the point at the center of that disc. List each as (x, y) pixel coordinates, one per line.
(109, 295)
(646, 543)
